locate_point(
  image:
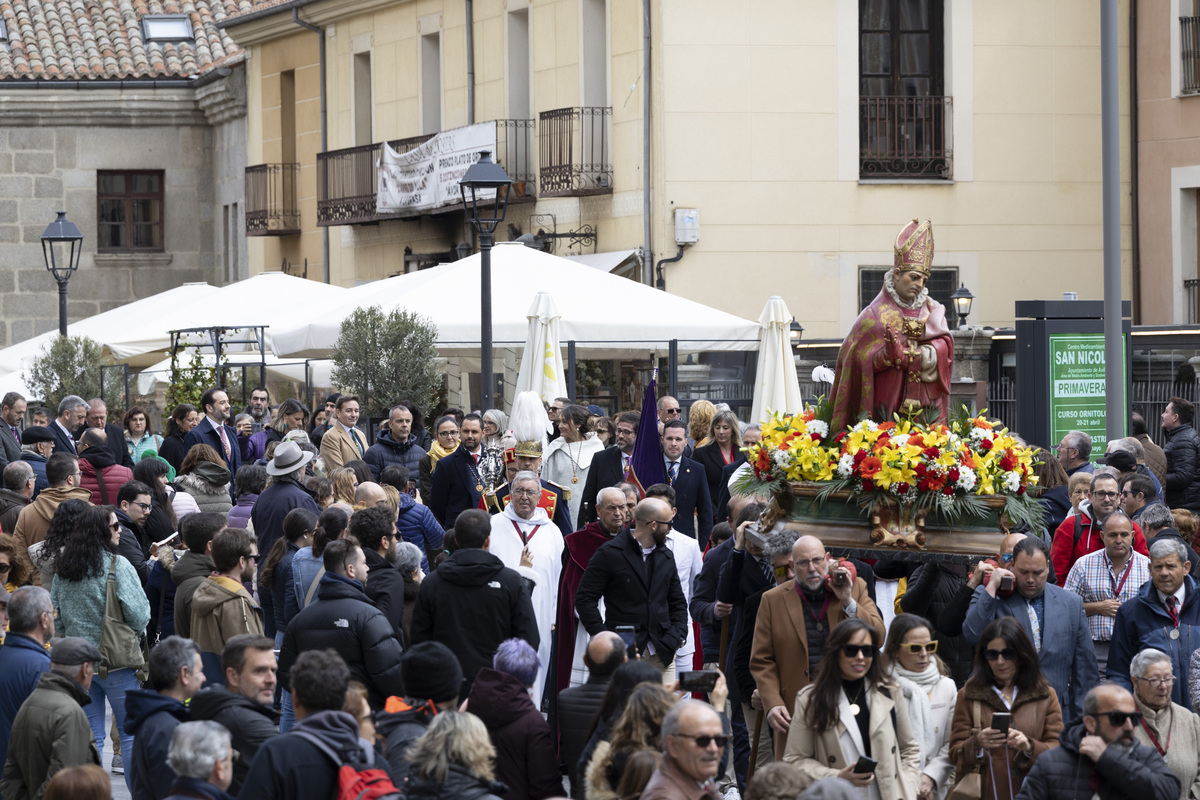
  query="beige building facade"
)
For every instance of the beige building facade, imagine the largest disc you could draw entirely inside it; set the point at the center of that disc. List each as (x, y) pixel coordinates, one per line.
(803, 133)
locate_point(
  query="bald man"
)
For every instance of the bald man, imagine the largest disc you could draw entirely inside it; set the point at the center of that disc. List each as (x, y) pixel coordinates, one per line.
(783, 663)
(369, 494)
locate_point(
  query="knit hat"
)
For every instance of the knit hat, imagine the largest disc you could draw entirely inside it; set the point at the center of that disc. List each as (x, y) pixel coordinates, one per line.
(431, 672)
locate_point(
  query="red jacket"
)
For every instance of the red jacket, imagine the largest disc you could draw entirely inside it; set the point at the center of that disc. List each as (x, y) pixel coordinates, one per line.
(115, 476)
(1061, 552)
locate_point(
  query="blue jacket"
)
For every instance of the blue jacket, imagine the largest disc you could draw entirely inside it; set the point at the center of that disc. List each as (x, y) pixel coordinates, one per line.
(387, 451)
(305, 567)
(417, 524)
(37, 463)
(22, 663)
(1067, 656)
(151, 718)
(281, 587)
(273, 505)
(1143, 622)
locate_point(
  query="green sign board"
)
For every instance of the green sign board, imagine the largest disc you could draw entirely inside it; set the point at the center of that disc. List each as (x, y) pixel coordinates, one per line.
(1078, 386)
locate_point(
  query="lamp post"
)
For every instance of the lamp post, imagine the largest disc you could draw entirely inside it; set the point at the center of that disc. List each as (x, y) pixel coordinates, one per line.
(484, 190)
(795, 334)
(962, 298)
(62, 245)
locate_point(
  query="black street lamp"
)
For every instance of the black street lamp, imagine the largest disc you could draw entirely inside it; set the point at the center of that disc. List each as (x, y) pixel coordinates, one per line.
(795, 334)
(62, 245)
(962, 298)
(484, 190)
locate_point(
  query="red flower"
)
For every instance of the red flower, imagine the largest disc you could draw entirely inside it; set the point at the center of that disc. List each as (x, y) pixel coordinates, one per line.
(1020, 490)
(948, 491)
(1006, 463)
(987, 444)
(868, 485)
(931, 453)
(839, 437)
(816, 437)
(920, 469)
(902, 488)
(953, 474)
(923, 485)
(859, 456)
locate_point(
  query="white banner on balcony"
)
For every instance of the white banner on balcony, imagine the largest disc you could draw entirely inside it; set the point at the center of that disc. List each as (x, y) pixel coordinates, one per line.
(427, 176)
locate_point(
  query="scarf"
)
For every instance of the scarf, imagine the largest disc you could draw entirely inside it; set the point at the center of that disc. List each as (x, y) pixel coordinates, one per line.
(916, 687)
(437, 452)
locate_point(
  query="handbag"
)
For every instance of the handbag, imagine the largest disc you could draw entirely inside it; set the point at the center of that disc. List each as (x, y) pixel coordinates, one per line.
(970, 785)
(120, 647)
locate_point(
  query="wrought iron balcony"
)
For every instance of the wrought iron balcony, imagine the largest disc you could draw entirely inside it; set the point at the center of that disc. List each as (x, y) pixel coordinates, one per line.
(1189, 54)
(348, 180)
(576, 151)
(271, 208)
(904, 137)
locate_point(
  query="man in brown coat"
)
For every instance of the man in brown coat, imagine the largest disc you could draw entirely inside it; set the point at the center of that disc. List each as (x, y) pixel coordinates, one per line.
(221, 606)
(62, 472)
(693, 741)
(793, 623)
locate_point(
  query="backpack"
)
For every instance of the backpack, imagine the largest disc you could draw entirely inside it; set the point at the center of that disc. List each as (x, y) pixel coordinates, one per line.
(354, 783)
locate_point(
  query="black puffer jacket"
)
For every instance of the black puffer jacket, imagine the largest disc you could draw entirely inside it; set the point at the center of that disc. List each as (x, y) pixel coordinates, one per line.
(1182, 449)
(940, 594)
(344, 619)
(459, 785)
(387, 451)
(1062, 773)
(400, 726)
(249, 722)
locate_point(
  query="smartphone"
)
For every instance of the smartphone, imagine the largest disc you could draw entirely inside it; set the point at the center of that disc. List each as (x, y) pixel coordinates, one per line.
(1006, 583)
(865, 765)
(170, 538)
(1000, 721)
(627, 635)
(411, 488)
(703, 681)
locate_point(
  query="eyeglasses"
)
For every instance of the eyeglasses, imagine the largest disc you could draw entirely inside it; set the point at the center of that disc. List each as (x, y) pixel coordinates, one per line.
(1118, 718)
(234, 756)
(856, 650)
(915, 648)
(253, 557)
(1008, 653)
(667, 522)
(144, 506)
(671, 412)
(1157, 683)
(526, 492)
(704, 741)
(1105, 495)
(450, 434)
(782, 570)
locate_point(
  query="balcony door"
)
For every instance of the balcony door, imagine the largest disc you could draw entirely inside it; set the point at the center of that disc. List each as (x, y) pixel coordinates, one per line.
(903, 119)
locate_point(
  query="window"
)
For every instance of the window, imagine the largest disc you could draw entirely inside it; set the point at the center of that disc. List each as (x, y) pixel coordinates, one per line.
(901, 89)
(167, 28)
(941, 285)
(431, 83)
(363, 133)
(130, 214)
(517, 73)
(3, 31)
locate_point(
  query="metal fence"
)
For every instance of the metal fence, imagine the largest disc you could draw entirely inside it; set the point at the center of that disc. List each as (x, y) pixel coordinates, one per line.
(271, 207)
(904, 137)
(1189, 55)
(575, 151)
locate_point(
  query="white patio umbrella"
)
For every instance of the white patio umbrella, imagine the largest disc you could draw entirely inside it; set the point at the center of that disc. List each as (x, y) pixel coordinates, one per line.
(776, 386)
(541, 359)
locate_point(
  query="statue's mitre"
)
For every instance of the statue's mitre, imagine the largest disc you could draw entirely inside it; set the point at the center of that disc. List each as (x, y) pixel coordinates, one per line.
(914, 247)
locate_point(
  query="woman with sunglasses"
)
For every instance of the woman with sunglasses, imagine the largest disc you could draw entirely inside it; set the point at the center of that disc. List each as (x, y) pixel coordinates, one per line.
(852, 711)
(913, 663)
(1007, 679)
(1168, 727)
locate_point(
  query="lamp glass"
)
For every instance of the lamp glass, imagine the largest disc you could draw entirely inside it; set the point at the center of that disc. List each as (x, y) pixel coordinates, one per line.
(62, 246)
(962, 298)
(484, 190)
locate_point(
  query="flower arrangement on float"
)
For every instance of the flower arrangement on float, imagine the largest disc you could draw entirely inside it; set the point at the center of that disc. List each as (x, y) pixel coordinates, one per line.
(959, 469)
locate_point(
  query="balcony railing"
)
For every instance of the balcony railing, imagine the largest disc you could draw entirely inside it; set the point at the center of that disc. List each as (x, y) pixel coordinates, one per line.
(576, 151)
(271, 208)
(348, 180)
(1189, 54)
(904, 137)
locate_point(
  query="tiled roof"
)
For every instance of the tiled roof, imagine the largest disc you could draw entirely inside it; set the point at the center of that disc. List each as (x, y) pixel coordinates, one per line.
(102, 39)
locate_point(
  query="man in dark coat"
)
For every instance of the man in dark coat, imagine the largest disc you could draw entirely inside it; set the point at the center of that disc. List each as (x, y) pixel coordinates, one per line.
(609, 466)
(432, 680)
(694, 511)
(23, 658)
(578, 705)
(472, 602)
(19, 482)
(396, 445)
(152, 716)
(1181, 446)
(12, 414)
(214, 431)
(1098, 757)
(376, 532)
(285, 493)
(639, 588)
(72, 411)
(37, 445)
(456, 485)
(344, 619)
(244, 704)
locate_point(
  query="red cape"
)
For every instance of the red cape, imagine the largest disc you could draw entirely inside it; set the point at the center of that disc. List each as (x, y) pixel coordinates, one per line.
(579, 547)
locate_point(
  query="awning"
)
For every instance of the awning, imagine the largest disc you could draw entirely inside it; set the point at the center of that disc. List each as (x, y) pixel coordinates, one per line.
(605, 262)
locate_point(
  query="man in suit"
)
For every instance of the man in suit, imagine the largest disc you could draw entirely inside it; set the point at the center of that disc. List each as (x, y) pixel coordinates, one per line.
(609, 466)
(687, 478)
(456, 484)
(12, 411)
(213, 431)
(97, 417)
(794, 620)
(636, 577)
(1053, 618)
(343, 442)
(72, 410)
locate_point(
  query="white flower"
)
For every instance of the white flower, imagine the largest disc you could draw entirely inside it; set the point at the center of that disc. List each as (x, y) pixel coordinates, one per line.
(900, 439)
(782, 458)
(866, 425)
(819, 427)
(1011, 482)
(966, 479)
(845, 465)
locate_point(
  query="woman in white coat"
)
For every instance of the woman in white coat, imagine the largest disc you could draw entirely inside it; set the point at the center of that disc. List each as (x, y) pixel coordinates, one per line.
(853, 710)
(912, 662)
(569, 457)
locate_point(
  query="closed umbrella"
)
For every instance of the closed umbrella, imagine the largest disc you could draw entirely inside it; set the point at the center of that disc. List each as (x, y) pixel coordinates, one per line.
(776, 386)
(541, 360)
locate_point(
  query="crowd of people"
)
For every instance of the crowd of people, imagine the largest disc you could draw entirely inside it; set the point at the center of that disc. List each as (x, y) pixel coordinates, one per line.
(488, 605)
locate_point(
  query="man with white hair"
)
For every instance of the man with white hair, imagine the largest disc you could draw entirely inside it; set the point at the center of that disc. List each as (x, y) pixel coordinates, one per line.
(201, 755)
(525, 539)
(693, 742)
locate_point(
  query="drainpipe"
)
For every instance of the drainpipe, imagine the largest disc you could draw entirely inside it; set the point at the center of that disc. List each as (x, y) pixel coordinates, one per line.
(470, 62)
(1136, 233)
(648, 254)
(324, 123)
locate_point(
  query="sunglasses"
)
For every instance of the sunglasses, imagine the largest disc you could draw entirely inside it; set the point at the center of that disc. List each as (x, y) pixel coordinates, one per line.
(915, 648)
(856, 650)
(5, 568)
(1118, 718)
(115, 527)
(782, 571)
(994, 655)
(704, 741)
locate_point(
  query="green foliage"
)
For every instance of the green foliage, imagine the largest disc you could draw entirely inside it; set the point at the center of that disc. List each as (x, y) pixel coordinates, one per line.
(189, 382)
(385, 358)
(71, 365)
